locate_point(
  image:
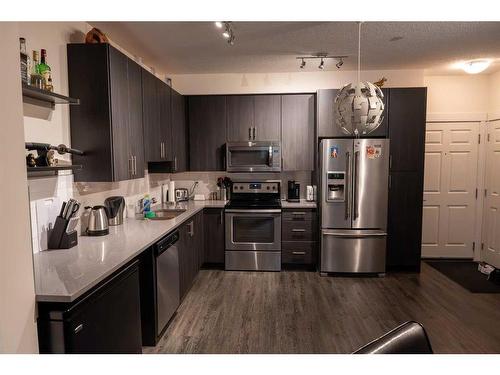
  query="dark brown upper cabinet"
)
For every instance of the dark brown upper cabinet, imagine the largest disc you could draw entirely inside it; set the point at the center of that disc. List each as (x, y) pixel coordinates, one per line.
(179, 132)
(407, 114)
(157, 118)
(207, 132)
(327, 127)
(253, 118)
(107, 125)
(298, 132)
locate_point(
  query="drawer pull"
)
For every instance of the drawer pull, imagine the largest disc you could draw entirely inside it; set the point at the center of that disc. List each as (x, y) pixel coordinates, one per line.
(298, 213)
(298, 230)
(298, 252)
(78, 328)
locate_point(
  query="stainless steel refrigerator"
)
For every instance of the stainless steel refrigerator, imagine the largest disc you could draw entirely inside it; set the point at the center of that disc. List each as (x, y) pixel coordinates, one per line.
(353, 204)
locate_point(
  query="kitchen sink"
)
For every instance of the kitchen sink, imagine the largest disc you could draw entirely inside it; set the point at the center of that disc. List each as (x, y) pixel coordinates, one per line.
(167, 213)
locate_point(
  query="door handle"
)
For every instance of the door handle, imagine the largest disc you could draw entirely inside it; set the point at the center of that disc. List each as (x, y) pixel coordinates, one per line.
(130, 166)
(135, 164)
(299, 213)
(249, 134)
(191, 228)
(78, 328)
(298, 252)
(175, 163)
(254, 133)
(346, 187)
(298, 230)
(161, 150)
(355, 187)
(221, 218)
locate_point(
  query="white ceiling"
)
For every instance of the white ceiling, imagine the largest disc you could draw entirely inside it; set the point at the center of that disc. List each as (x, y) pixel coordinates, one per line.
(198, 47)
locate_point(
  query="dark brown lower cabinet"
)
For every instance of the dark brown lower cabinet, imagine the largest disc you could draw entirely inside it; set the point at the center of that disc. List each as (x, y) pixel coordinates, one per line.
(106, 320)
(190, 247)
(404, 227)
(299, 233)
(213, 228)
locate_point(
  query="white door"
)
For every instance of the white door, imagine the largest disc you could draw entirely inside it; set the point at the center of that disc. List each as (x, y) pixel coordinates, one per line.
(491, 227)
(450, 182)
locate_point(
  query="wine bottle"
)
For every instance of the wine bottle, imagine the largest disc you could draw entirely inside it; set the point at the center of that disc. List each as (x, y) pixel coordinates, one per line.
(36, 79)
(24, 60)
(44, 70)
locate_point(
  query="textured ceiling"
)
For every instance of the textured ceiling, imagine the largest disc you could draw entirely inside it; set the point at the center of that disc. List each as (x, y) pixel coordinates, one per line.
(198, 47)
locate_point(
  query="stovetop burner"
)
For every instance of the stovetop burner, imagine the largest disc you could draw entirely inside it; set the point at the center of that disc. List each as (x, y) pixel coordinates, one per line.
(255, 195)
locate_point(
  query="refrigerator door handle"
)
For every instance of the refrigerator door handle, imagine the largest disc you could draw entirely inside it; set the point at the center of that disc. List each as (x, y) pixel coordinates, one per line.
(354, 235)
(346, 187)
(355, 187)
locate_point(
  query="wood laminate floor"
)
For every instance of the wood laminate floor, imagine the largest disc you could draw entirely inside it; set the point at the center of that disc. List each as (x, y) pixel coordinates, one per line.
(302, 312)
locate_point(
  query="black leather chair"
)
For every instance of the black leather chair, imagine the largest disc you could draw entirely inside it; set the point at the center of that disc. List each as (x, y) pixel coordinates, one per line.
(408, 338)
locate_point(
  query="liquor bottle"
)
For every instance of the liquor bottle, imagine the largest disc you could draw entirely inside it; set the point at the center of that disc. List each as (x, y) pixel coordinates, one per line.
(48, 85)
(44, 69)
(24, 60)
(36, 79)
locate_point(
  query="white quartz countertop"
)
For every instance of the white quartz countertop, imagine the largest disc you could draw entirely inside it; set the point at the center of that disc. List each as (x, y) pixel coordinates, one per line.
(66, 274)
(302, 204)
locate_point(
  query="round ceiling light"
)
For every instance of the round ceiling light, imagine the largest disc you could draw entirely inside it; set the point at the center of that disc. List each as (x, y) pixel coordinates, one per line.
(359, 108)
(475, 66)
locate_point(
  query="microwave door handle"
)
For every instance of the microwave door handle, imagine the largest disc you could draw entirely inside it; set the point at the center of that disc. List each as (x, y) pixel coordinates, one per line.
(270, 156)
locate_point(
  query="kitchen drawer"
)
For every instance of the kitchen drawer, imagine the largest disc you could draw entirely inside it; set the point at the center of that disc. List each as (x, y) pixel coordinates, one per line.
(298, 252)
(299, 230)
(298, 215)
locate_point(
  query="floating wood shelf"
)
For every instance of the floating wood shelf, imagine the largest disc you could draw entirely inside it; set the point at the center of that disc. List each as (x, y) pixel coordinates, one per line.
(45, 98)
(39, 171)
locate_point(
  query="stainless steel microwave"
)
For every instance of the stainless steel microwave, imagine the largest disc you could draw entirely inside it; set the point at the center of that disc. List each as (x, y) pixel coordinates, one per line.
(253, 157)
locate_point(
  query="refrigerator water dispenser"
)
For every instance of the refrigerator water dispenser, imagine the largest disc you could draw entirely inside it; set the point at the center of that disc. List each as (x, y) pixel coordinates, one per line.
(335, 187)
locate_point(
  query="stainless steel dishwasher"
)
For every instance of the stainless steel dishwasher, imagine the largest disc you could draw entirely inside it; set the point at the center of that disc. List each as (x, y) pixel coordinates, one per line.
(167, 280)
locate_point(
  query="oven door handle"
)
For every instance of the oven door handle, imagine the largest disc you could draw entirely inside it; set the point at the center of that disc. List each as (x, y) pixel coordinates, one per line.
(238, 211)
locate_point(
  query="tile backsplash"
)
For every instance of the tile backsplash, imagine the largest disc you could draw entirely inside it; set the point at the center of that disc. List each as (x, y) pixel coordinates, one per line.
(48, 193)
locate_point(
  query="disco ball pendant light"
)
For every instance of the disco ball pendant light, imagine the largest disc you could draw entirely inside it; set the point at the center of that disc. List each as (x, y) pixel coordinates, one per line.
(358, 108)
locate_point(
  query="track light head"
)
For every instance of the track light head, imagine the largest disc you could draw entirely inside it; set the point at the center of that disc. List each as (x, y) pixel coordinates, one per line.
(218, 24)
(339, 63)
(303, 64)
(226, 34)
(322, 64)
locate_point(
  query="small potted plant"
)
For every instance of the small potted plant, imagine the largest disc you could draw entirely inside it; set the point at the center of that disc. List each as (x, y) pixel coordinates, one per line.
(224, 184)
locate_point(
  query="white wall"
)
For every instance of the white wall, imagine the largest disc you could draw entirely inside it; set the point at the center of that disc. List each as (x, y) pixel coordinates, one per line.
(457, 93)
(17, 295)
(494, 96)
(247, 83)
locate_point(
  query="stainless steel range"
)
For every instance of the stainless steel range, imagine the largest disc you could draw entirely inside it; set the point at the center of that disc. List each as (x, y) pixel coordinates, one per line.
(253, 227)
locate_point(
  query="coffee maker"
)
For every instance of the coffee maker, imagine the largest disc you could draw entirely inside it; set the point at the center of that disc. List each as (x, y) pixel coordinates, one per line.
(293, 191)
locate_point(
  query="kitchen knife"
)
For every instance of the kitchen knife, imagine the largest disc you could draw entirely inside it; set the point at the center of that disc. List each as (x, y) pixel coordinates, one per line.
(61, 214)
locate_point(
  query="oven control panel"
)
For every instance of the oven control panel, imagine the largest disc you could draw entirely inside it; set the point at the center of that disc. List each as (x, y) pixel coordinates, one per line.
(256, 187)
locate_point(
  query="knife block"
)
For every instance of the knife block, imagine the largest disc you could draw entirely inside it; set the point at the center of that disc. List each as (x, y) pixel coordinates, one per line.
(59, 239)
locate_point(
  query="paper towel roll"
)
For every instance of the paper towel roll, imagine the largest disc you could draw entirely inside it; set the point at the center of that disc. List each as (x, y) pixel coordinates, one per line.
(171, 191)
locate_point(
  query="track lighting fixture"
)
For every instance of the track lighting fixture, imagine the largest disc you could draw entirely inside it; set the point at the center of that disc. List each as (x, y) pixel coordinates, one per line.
(228, 32)
(322, 57)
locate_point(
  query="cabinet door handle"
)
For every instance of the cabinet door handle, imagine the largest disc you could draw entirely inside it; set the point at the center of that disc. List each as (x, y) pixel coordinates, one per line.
(299, 213)
(298, 252)
(221, 217)
(135, 164)
(175, 163)
(131, 166)
(298, 230)
(249, 134)
(191, 228)
(78, 328)
(254, 133)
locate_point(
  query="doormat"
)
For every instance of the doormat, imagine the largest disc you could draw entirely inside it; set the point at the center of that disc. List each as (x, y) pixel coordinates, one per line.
(465, 274)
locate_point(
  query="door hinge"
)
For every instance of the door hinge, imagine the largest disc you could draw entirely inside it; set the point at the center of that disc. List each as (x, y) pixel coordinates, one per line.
(473, 246)
(476, 193)
(479, 138)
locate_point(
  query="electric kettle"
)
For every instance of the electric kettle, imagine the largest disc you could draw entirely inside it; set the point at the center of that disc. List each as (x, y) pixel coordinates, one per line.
(97, 221)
